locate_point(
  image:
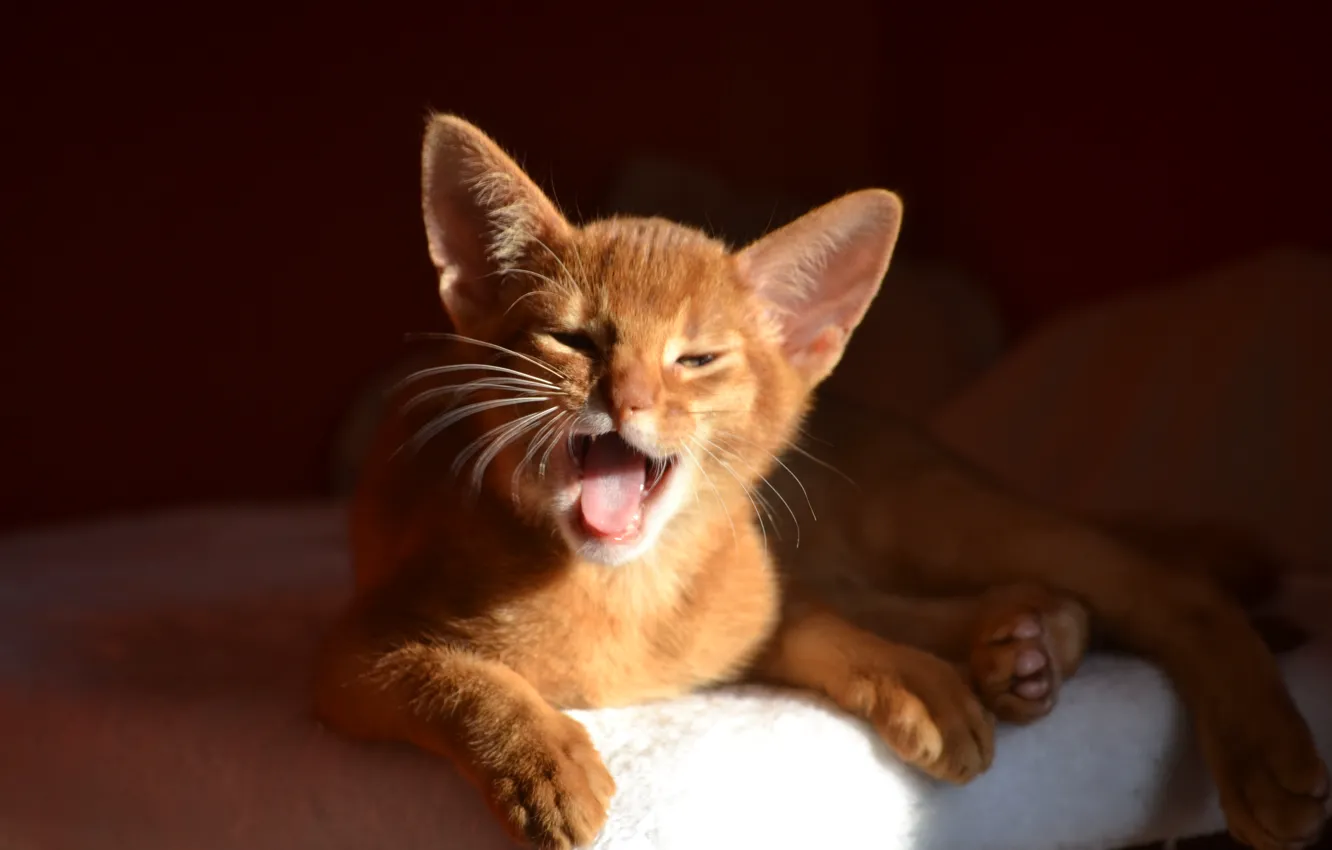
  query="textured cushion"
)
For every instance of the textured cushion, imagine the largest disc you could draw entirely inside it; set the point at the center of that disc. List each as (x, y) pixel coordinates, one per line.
(152, 682)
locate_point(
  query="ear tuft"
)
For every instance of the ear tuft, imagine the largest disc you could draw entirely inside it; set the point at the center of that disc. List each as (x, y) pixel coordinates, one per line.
(483, 215)
(817, 276)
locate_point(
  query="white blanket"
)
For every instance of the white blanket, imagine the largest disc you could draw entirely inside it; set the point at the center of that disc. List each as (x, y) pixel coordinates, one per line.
(152, 693)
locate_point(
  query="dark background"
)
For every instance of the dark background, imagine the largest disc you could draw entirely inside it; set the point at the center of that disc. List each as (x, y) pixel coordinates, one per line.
(210, 221)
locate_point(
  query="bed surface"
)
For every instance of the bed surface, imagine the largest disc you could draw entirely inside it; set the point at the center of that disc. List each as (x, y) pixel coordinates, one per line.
(152, 682)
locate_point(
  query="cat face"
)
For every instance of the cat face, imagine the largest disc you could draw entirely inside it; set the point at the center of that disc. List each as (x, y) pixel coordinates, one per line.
(656, 375)
(663, 380)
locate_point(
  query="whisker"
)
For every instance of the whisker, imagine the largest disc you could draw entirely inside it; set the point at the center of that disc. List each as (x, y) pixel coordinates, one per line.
(521, 426)
(658, 469)
(460, 460)
(439, 424)
(476, 386)
(770, 486)
(805, 433)
(534, 446)
(554, 441)
(720, 501)
(467, 367)
(768, 512)
(726, 466)
(789, 471)
(825, 465)
(467, 339)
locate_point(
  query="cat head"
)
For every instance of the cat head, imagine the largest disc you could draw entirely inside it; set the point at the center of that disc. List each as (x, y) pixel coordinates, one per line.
(656, 374)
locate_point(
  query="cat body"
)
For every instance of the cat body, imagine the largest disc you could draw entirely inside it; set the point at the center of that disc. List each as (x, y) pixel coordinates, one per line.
(561, 510)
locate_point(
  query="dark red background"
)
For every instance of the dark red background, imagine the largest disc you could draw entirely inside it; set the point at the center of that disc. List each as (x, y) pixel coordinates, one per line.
(210, 230)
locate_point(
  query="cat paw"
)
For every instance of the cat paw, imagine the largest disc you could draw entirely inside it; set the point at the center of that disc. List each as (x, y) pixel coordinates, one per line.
(1273, 785)
(1028, 640)
(929, 716)
(556, 793)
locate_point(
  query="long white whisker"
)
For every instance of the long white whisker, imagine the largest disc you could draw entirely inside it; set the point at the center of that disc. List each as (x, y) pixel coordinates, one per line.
(809, 502)
(512, 386)
(534, 446)
(460, 460)
(505, 384)
(748, 493)
(440, 423)
(770, 486)
(467, 339)
(783, 465)
(743, 488)
(468, 367)
(658, 468)
(823, 463)
(769, 512)
(519, 427)
(766, 481)
(720, 501)
(554, 441)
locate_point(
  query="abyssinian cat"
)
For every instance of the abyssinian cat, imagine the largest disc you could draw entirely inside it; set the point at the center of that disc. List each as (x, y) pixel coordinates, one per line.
(559, 514)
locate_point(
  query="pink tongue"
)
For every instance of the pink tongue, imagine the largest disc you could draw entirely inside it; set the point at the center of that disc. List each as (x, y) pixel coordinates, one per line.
(613, 477)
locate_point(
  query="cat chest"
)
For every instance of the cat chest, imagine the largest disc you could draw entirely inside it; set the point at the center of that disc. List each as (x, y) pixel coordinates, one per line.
(615, 645)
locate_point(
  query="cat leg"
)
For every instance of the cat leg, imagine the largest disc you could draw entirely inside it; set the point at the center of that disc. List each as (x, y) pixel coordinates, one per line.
(538, 769)
(1236, 560)
(1273, 785)
(920, 704)
(1018, 643)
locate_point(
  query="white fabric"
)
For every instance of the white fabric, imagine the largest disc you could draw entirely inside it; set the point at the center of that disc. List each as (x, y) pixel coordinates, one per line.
(152, 695)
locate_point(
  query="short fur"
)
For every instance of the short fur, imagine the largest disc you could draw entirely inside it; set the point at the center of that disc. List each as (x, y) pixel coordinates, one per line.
(485, 604)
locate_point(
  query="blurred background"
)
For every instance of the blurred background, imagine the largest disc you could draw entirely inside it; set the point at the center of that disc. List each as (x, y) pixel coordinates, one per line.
(211, 234)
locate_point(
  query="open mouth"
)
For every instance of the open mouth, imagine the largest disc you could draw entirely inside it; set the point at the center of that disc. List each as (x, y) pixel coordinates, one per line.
(619, 483)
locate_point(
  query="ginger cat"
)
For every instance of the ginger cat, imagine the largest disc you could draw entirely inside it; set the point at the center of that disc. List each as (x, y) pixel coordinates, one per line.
(561, 514)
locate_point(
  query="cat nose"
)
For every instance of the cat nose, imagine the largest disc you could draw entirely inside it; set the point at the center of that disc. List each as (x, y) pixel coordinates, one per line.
(632, 391)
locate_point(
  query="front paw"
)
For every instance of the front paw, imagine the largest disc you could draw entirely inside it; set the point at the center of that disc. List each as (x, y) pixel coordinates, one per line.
(1273, 785)
(553, 791)
(925, 711)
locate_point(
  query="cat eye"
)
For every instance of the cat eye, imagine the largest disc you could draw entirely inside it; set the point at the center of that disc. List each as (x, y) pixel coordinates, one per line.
(576, 341)
(694, 361)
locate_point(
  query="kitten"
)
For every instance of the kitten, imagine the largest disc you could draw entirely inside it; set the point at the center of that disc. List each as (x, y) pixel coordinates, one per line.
(558, 514)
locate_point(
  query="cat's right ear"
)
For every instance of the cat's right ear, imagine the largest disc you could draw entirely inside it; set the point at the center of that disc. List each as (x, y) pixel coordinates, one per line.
(483, 216)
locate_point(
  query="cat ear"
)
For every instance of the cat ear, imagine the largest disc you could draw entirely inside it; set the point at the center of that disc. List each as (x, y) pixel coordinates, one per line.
(483, 216)
(817, 275)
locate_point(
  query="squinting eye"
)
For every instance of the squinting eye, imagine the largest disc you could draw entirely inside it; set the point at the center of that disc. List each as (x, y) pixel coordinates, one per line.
(693, 361)
(576, 341)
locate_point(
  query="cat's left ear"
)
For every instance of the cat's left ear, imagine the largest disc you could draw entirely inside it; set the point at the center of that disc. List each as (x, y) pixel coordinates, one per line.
(817, 275)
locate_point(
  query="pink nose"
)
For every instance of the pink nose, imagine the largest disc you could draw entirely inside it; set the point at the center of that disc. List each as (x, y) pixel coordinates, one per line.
(632, 391)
